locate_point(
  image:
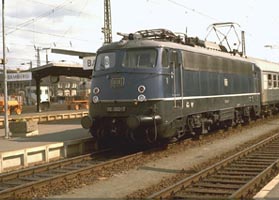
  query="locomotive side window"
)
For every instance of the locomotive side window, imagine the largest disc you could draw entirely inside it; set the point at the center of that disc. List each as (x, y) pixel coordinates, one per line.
(165, 58)
(105, 61)
(188, 60)
(174, 58)
(140, 58)
(203, 62)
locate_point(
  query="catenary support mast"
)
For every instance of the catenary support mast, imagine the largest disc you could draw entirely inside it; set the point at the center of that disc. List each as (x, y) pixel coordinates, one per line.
(107, 22)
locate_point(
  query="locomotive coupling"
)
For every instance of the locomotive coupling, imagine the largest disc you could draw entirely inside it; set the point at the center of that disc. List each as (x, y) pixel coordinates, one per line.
(134, 122)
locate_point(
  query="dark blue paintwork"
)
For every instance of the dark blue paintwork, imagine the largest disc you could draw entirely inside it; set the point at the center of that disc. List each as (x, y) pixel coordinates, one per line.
(212, 82)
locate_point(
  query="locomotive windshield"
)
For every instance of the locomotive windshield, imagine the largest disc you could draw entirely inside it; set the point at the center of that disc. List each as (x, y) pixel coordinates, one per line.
(130, 58)
(139, 58)
(105, 61)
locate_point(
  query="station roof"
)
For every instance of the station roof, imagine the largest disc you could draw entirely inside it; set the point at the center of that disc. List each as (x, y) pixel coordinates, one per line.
(60, 69)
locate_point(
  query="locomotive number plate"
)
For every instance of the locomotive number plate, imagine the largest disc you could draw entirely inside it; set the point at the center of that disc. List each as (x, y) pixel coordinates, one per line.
(116, 109)
(117, 82)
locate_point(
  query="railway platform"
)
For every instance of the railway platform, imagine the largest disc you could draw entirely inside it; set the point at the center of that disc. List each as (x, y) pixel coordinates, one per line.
(56, 139)
(270, 191)
(56, 112)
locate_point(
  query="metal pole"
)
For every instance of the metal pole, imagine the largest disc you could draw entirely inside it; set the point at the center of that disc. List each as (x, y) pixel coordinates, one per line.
(38, 57)
(7, 132)
(30, 85)
(47, 56)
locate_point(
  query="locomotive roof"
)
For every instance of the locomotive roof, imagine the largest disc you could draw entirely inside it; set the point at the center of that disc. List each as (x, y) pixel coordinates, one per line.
(146, 43)
(264, 65)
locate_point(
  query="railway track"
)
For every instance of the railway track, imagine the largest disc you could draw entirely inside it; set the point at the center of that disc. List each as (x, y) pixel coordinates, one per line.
(33, 181)
(239, 176)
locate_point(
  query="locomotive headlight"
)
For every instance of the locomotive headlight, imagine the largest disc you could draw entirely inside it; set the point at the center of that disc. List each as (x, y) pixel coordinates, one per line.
(141, 89)
(95, 99)
(141, 98)
(96, 90)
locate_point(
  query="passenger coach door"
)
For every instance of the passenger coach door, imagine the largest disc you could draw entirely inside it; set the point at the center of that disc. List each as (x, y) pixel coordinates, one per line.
(177, 77)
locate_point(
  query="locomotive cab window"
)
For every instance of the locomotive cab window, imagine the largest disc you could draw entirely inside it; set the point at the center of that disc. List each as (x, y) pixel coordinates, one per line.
(105, 61)
(140, 58)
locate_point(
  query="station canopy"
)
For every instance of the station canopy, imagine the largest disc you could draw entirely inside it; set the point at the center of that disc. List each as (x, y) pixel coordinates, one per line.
(60, 69)
(56, 69)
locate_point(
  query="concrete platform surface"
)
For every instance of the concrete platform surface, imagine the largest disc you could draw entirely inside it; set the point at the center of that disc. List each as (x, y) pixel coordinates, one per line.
(51, 132)
(270, 191)
(56, 140)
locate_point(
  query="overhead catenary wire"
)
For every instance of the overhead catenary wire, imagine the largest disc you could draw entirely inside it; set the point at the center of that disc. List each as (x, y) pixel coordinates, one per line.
(78, 11)
(44, 15)
(66, 9)
(64, 36)
(52, 34)
(70, 28)
(193, 10)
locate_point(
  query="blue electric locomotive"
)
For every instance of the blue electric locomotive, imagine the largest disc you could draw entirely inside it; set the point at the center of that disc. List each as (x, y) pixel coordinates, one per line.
(155, 85)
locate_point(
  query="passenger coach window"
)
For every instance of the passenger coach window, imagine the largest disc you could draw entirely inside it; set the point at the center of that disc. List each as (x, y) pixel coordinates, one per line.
(269, 80)
(274, 81)
(140, 58)
(105, 61)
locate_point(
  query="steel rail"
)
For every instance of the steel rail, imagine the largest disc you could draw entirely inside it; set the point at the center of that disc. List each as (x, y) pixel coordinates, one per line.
(22, 184)
(48, 166)
(247, 187)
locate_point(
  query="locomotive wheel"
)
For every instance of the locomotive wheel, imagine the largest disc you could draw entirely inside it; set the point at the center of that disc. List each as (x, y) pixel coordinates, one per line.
(151, 135)
(197, 133)
(247, 120)
(131, 135)
(100, 133)
(226, 124)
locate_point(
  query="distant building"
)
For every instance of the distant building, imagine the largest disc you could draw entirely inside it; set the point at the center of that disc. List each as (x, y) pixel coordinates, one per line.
(66, 87)
(70, 87)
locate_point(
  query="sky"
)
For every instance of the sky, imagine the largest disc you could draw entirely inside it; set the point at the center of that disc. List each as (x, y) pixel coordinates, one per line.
(76, 24)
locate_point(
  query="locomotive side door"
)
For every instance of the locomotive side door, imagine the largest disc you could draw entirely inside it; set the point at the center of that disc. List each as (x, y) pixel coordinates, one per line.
(177, 78)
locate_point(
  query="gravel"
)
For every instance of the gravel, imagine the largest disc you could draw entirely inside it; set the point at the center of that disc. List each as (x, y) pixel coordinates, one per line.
(179, 161)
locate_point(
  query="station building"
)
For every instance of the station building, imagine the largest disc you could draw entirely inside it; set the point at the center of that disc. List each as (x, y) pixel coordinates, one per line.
(67, 84)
